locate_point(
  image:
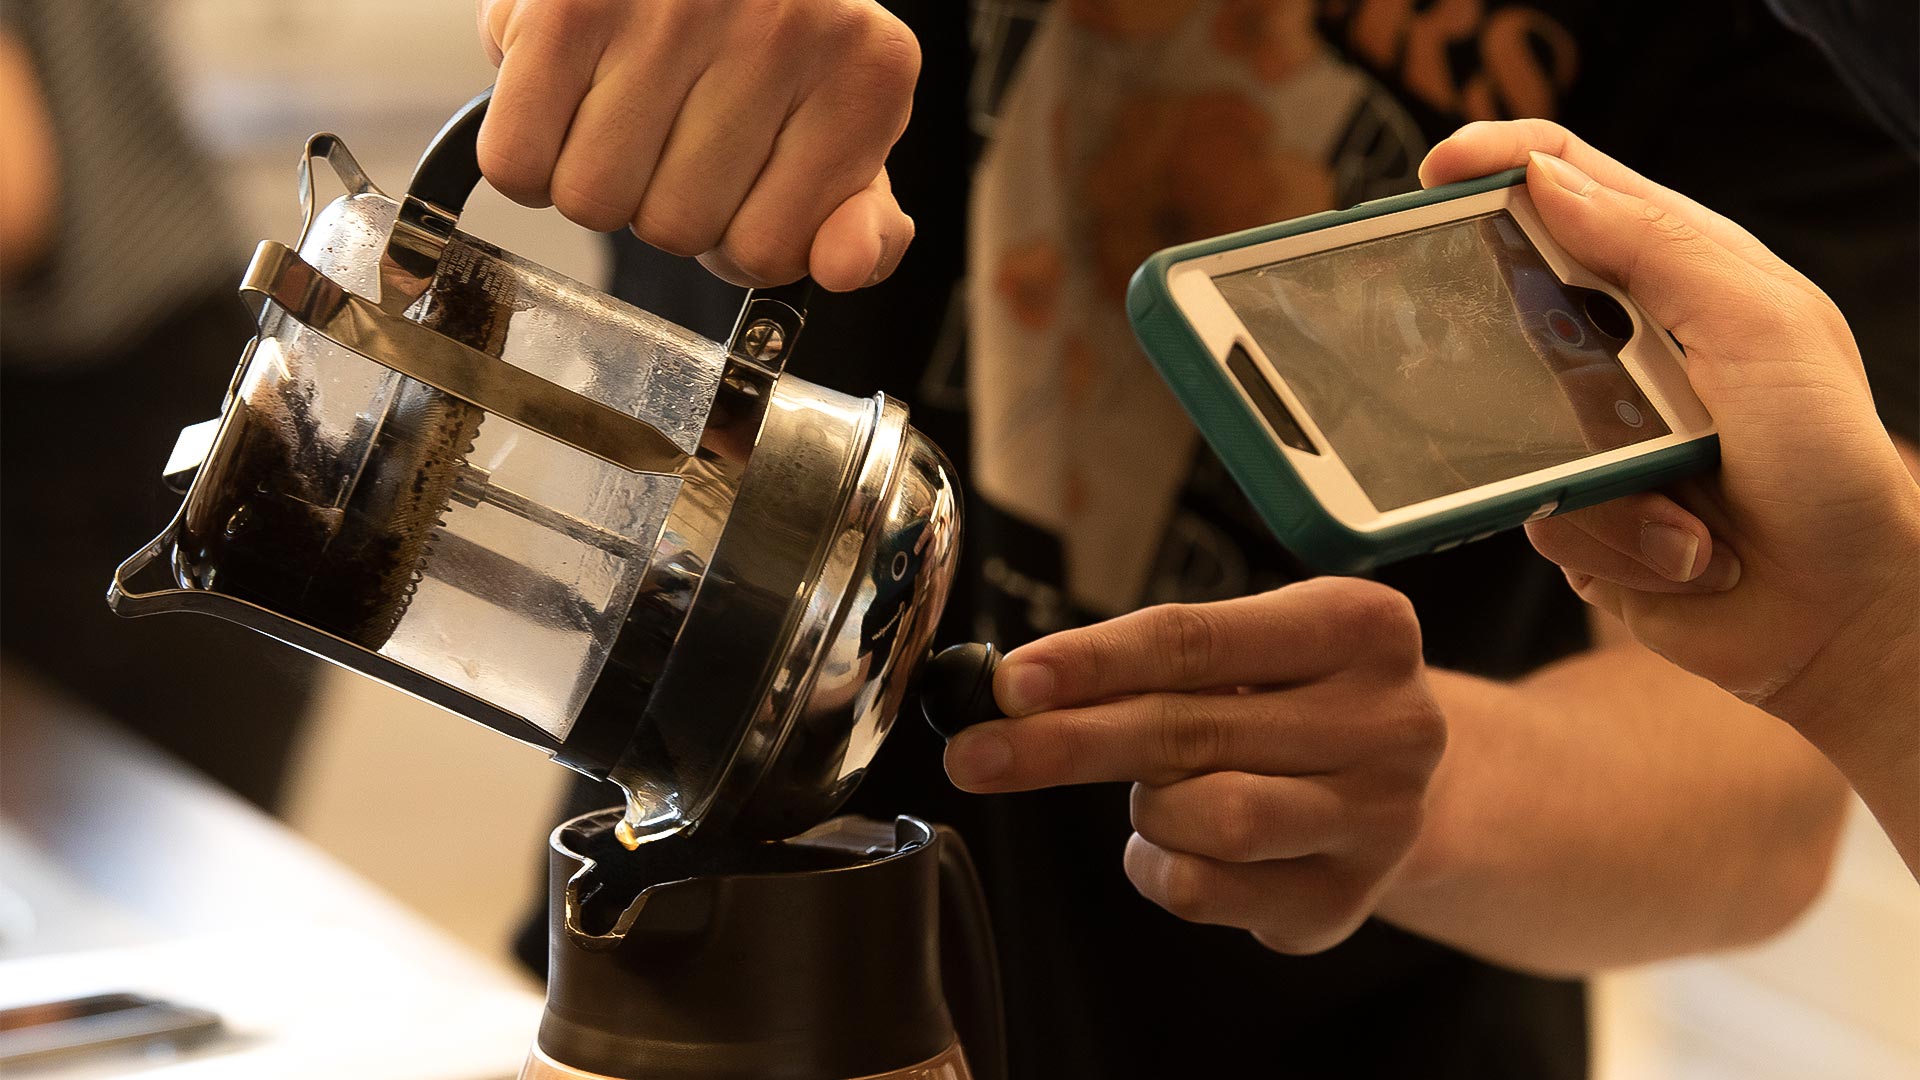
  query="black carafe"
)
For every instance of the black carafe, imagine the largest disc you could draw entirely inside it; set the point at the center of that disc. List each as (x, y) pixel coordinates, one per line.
(858, 949)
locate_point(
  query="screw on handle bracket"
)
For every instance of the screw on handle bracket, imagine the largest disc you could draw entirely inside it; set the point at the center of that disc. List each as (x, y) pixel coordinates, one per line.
(769, 325)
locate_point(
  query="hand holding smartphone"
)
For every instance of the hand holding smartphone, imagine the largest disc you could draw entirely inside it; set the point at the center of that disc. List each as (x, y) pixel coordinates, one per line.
(1416, 373)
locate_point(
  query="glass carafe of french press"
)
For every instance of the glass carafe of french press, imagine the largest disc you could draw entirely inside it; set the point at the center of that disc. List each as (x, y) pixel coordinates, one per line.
(653, 556)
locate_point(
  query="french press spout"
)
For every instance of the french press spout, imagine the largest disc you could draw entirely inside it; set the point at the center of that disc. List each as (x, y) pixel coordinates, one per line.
(655, 557)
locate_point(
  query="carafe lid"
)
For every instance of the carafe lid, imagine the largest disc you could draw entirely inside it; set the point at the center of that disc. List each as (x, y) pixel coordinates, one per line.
(696, 959)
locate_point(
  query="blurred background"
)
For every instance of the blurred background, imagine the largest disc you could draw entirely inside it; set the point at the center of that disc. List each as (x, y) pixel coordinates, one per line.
(448, 825)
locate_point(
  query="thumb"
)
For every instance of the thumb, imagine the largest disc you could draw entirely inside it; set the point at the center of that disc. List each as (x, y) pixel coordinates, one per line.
(862, 241)
(1689, 283)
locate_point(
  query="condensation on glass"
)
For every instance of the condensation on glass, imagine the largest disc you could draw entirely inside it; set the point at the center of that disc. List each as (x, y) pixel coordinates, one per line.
(459, 544)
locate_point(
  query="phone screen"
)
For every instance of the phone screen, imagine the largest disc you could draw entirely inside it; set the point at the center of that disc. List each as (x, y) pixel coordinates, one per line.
(1445, 358)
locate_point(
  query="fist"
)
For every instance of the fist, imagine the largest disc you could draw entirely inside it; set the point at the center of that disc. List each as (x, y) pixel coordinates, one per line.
(1279, 747)
(750, 133)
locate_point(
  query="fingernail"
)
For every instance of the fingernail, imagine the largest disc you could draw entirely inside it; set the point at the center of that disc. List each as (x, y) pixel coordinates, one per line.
(880, 264)
(1023, 687)
(1563, 174)
(1722, 572)
(889, 254)
(1669, 551)
(975, 758)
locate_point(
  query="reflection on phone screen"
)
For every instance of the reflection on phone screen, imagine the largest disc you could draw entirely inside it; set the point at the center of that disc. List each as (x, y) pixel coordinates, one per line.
(1442, 359)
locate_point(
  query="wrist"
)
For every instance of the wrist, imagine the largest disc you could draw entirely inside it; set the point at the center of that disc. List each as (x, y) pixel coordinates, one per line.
(1443, 847)
(1858, 697)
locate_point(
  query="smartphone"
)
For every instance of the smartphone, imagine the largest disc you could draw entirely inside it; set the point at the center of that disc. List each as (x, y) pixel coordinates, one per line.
(1416, 373)
(100, 1023)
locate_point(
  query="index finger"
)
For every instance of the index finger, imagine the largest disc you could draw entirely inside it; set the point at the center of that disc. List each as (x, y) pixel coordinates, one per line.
(1295, 634)
(543, 78)
(1168, 737)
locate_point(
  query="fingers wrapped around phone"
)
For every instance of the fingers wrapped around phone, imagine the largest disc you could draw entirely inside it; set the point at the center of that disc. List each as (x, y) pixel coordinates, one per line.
(1490, 146)
(1645, 541)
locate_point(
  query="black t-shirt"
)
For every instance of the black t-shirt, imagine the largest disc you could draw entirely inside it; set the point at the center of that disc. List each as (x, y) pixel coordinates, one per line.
(1715, 99)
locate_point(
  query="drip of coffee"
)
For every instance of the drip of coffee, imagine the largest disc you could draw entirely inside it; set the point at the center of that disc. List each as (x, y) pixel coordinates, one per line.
(632, 835)
(646, 818)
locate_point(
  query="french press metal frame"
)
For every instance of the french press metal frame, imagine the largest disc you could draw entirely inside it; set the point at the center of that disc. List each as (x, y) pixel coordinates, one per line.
(279, 281)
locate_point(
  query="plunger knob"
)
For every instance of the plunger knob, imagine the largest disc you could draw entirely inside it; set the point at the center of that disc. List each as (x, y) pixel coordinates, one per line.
(956, 688)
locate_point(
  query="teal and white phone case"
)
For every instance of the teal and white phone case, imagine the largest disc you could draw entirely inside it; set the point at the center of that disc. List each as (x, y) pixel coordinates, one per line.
(1238, 326)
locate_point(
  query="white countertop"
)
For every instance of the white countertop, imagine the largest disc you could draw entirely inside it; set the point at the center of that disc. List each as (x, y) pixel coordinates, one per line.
(121, 870)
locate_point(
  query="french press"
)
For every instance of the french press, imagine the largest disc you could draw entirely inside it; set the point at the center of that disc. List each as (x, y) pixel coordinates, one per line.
(653, 556)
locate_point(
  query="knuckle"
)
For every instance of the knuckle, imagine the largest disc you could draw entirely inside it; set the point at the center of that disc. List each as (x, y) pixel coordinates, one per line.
(510, 169)
(1187, 888)
(1826, 316)
(1379, 617)
(1236, 822)
(1419, 731)
(1664, 228)
(1545, 135)
(1190, 737)
(671, 228)
(764, 259)
(569, 17)
(1073, 738)
(1811, 315)
(579, 200)
(1549, 130)
(1188, 637)
(891, 56)
(869, 41)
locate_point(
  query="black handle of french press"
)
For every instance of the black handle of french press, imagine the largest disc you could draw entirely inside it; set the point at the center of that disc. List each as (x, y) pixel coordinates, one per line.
(450, 169)
(956, 687)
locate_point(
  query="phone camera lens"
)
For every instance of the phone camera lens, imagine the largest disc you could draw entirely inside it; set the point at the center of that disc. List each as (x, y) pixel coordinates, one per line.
(1565, 327)
(1608, 316)
(1628, 413)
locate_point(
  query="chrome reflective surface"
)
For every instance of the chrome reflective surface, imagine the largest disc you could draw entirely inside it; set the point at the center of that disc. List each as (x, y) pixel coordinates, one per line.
(869, 620)
(278, 276)
(707, 729)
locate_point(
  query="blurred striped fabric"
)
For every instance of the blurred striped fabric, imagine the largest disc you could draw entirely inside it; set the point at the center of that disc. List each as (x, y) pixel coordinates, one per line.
(142, 228)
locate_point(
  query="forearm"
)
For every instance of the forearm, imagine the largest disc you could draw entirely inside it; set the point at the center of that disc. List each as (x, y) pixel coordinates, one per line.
(1612, 809)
